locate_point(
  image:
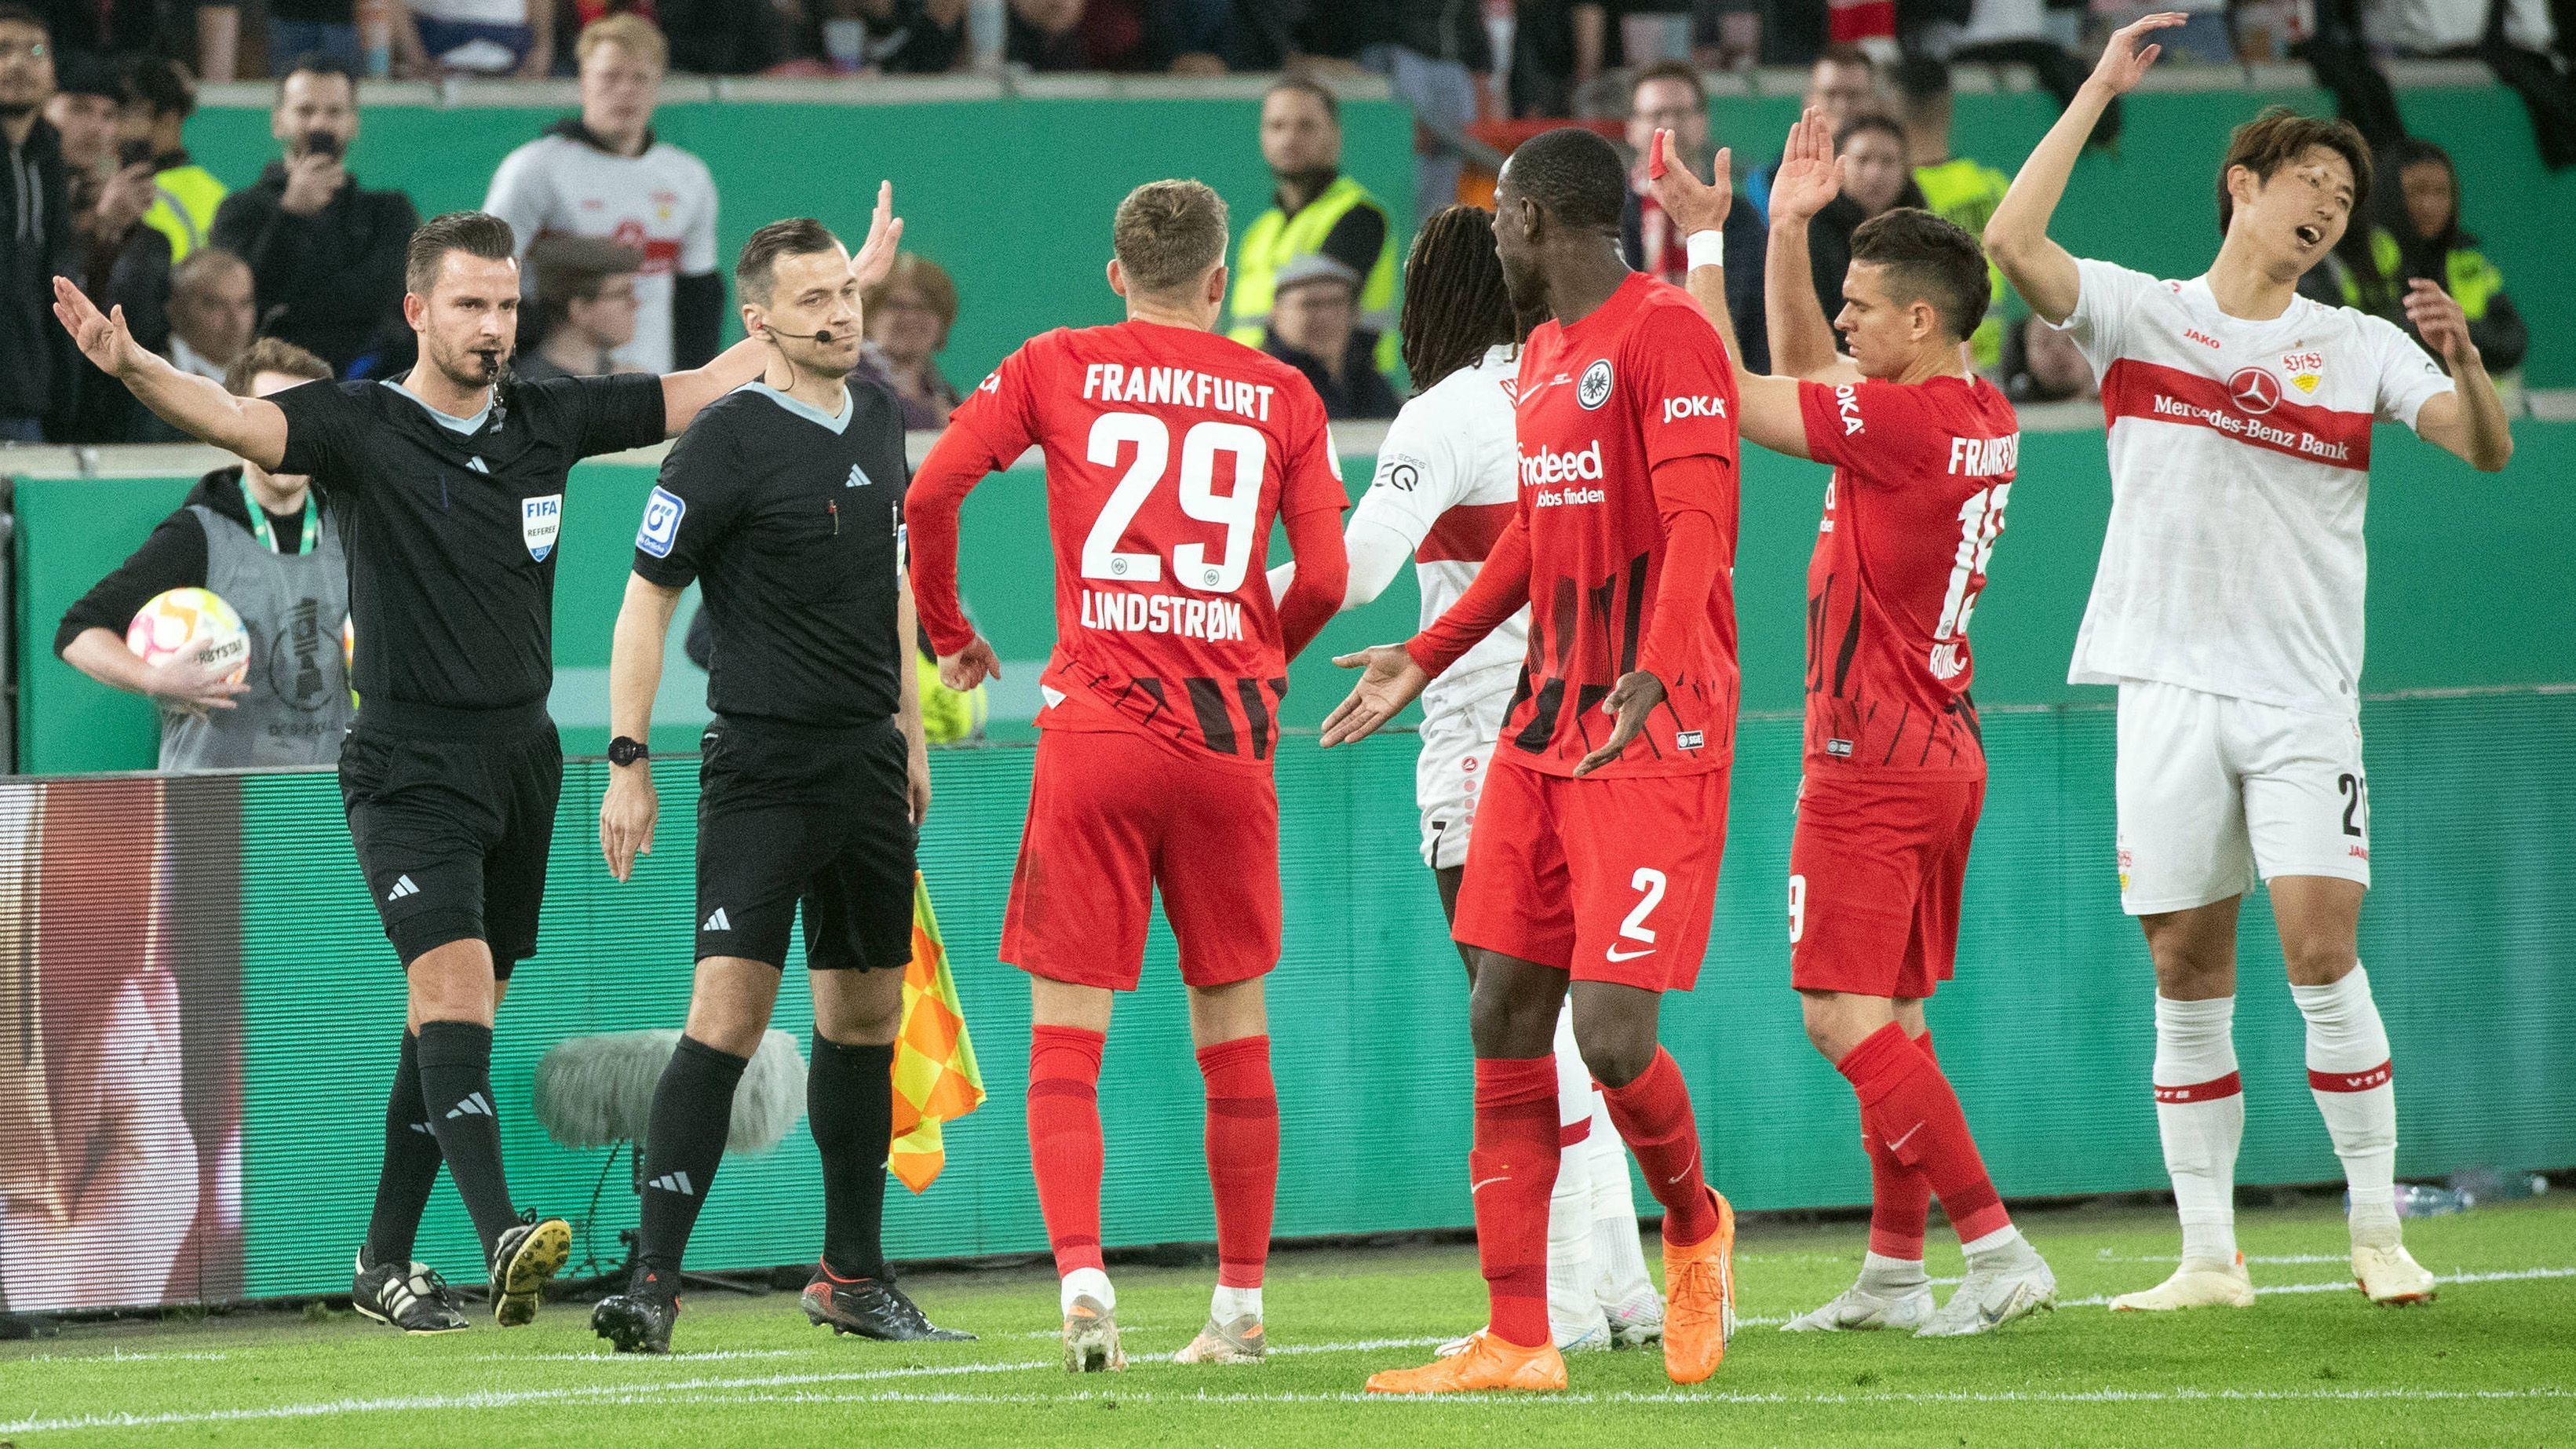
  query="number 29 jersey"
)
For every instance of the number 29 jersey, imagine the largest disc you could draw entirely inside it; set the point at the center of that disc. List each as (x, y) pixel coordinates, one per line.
(1169, 454)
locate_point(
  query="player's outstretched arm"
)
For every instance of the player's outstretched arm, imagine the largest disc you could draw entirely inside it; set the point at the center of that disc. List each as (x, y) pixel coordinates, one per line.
(957, 462)
(2468, 421)
(628, 810)
(1315, 594)
(1767, 407)
(253, 428)
(2017, 234)
(1390, 679)
(1809, 179)
(683, 393)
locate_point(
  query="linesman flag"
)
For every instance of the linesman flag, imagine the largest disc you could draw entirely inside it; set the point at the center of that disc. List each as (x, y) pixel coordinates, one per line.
(935, 1077)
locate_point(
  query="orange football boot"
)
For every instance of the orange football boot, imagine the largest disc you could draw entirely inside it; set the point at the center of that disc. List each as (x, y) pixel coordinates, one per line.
(1486, 1362)
(1699, 1300)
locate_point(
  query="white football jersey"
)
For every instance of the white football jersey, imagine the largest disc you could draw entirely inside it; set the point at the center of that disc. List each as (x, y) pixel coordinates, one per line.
(2240, 466)
(1448, 478)
(662, 203)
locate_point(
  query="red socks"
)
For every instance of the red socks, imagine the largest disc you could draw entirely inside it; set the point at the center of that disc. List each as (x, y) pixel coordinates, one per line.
(1064, 1140)
(1242, 1154)
(1900, 1198)
(1907, 1106)
(1653, 1114)
(1510, 1172)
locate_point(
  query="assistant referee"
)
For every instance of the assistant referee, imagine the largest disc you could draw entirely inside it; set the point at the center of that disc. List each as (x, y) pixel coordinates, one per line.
(450, 484)
(785, 500)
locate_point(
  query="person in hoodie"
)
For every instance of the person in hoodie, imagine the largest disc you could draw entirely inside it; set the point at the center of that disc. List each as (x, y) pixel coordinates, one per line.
(602, 174)
(2421, 237)
(326, 253)
(35, 231)
(259, 541)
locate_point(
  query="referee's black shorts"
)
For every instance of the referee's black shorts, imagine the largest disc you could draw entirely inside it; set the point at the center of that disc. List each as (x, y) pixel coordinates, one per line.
(452, 812)
(797, 814)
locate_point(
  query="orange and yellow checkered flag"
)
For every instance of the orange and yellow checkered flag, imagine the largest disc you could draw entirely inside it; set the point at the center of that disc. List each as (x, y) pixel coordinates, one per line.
(935, 1077)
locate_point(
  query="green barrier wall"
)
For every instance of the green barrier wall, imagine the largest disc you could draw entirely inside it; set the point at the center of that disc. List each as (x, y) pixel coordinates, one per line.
(2048, 1032)
(1013, 196)
(2474, 583)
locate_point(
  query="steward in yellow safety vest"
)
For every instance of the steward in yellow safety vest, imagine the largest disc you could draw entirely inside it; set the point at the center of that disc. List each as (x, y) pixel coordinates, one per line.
(1955, 189)
(159, 98)
(2422, 238)
(1316, 210)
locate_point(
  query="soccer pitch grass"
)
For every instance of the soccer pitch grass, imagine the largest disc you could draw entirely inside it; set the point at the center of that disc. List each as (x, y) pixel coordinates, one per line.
(2494, 1361)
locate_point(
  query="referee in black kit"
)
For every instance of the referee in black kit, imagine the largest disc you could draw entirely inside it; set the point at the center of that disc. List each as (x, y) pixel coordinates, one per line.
(785, 499)
(451, 485)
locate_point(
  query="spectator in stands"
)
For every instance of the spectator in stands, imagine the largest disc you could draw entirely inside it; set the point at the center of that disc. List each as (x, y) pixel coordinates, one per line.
(2042, 364)
(117, 29)
(909, 315)
(159, 98)
(603, 174)
(912, 37)
(2421, 237)
(213, 316)
(1316, 210)
(1047, 35)
(1954, 188)
(115, 257)
(1842, 84)
(327, 253)
(35, 232)
(310, 27)
(586, 306)
(1670, 96)
(1871, 147)
(260, 541)
(1313, 329)
(476, 37)
(1435, 54)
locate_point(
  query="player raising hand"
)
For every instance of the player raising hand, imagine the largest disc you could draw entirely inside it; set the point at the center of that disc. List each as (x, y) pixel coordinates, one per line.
(1923, 453)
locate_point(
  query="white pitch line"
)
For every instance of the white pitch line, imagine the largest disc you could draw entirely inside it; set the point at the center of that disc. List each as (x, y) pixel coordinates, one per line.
(1547, 1400)
(666, 1392)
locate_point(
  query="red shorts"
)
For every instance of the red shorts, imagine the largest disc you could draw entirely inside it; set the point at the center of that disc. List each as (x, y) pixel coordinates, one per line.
(1606, 880)
(1114, 814)
(1875, 869)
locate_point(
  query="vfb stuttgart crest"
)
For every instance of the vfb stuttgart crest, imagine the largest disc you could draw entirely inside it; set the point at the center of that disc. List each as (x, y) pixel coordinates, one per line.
(1594, 390)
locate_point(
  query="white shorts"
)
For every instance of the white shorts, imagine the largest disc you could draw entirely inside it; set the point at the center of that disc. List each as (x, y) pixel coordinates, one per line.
(1457, 746)
(2214, 790)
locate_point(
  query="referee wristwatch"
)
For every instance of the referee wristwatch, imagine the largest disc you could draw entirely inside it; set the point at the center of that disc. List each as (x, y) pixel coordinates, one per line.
(623, 751)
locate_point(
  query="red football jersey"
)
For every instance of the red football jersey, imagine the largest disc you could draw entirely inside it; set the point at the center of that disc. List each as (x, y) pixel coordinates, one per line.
(1642, 380)
(1916, 501)
(1169, 453)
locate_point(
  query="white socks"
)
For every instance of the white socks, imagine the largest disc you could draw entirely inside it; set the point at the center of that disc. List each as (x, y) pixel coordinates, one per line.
(1089, 1283)
(1618, 1260)
(2200, 1114)
(1573, 1304)
(1230, 1304)
(2348, 1074)
(2006, 1241)
(1889, 1277)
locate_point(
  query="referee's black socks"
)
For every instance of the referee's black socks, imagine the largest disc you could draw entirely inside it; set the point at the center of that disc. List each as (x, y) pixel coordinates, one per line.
(692, 1112)
(849, 1104)
(456, 1086)
(411, 1164)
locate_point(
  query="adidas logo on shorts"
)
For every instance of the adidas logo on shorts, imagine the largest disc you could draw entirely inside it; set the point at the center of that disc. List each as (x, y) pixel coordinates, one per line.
(674, 1182)
(717, 922)
(474, 1105)
(402, 887)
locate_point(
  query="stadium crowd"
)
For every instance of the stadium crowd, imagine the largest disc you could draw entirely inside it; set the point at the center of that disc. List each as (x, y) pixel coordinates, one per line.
(109, 196)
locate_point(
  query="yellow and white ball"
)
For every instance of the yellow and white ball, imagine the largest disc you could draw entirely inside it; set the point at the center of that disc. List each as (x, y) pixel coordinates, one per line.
(192, 622)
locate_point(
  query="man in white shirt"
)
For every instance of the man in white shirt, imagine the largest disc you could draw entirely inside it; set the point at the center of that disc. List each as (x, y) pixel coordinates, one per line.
(2228, 610)
(1447, 481)
(604, 175)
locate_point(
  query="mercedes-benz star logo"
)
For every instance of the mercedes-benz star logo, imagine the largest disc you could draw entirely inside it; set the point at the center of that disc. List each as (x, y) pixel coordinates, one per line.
(2254, 390)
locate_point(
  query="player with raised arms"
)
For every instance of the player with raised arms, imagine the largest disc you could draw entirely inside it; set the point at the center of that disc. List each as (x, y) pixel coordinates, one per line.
(1594, 863)
(1446, 485)
(1170, 451)
(1923, 452)
(2228, 610)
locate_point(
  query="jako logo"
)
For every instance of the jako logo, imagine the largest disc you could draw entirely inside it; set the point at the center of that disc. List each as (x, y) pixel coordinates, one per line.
(2194, 334)
(1677, 408)
(1544, 467)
